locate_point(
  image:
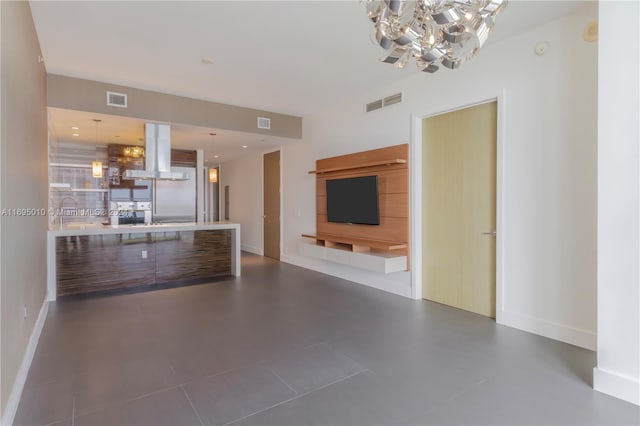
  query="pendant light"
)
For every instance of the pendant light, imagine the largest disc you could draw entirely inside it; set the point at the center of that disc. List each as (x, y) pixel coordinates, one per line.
(213, 175)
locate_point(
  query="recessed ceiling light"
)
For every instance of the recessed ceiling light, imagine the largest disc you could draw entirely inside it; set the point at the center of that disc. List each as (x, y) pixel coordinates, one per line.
(216, 156)
(76, 134)
(75, 128)
(244, 146)
(206, 61)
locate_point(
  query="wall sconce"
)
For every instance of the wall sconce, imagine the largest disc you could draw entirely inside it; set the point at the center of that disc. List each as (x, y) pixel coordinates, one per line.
(213, 175)
(96, 169)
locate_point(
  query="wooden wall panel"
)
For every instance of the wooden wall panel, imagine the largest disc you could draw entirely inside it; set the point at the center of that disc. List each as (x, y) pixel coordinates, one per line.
(393, 189)
(390, 181)
(391, 205)
(400, 152)
(392, 229)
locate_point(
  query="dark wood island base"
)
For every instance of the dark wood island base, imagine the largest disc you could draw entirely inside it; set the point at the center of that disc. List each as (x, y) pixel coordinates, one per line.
(137, 258)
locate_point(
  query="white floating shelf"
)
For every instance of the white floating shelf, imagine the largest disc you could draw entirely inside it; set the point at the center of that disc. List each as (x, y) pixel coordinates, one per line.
(385, 263)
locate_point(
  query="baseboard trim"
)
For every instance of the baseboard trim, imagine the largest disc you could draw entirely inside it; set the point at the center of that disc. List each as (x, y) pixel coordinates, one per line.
(564, 333)
(616, 385)
(252, 249)
(21, 378)
(342, 271)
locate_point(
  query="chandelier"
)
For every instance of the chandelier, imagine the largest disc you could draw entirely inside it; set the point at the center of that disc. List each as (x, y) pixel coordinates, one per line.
(434, 32)
(133, 151)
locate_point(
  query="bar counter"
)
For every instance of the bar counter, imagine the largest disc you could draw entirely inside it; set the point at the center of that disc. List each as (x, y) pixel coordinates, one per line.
(87, 258)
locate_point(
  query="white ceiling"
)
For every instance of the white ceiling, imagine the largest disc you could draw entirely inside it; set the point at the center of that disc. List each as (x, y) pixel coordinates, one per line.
(291, 57)
(226, 144)
(283, 56)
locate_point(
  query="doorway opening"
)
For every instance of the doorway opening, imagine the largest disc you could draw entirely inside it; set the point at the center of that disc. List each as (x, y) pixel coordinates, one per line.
(226, 202)
(271, 208)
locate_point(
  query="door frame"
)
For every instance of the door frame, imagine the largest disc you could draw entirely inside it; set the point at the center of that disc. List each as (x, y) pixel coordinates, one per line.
(415, 190)
(268, 151)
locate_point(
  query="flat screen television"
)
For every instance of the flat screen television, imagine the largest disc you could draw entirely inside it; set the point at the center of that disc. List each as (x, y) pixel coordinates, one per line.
(353, 200)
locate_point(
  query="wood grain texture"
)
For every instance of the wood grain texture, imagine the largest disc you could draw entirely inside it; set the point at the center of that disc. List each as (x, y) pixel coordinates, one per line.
(459, 205)
(192, 254)
(388, 162)
(393, 190)
(364, 157)
(391, 229)
(390, 205)
(184, 158)
(329, 239)
(93, 263)
(391, 180)
(103, 262)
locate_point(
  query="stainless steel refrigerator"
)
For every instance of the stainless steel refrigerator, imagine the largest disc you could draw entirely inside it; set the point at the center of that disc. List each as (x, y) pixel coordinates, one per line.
(175, 200)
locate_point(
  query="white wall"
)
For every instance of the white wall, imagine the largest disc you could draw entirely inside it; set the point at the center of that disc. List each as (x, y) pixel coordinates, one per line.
(244, 177)
(23, 175)
(549, 176)
(618, 370)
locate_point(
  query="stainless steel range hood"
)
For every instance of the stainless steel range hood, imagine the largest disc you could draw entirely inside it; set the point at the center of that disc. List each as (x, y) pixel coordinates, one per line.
(157, 155)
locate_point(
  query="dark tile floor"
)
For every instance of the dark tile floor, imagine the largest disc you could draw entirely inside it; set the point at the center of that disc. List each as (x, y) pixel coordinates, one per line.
(287, 346)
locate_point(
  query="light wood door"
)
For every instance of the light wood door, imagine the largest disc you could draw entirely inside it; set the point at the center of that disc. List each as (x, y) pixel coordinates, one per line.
(459, 208)
(272, 205)
(226, 202)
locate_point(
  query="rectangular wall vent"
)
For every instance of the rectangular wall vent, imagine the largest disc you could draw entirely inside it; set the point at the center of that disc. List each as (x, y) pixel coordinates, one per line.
(384, 102)
(393, 99)
(117, 99)
(264, 123)
(372, 106)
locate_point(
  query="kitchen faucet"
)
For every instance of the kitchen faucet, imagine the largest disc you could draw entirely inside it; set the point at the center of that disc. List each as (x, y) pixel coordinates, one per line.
(61, 209)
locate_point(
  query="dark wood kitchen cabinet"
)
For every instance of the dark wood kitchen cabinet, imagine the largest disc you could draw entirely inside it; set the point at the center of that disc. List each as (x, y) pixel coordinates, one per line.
(90, 263)
(188, 255)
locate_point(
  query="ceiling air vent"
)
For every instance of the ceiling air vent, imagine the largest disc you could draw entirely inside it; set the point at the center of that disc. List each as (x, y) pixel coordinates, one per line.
(384, 102)
(372, 106)
(117, 99)
(393, 99)
(264, 123)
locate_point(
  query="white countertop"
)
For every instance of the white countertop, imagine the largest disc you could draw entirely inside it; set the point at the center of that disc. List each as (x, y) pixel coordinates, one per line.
(77, 229)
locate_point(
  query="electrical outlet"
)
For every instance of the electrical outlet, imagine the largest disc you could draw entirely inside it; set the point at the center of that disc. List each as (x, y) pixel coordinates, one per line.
(144, 254)
(24, 311)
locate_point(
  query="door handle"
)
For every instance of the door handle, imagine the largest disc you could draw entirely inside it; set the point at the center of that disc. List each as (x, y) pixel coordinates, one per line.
(492, 233)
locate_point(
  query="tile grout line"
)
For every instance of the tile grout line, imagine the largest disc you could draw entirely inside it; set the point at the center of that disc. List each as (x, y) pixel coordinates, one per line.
(193, 407)
(294, 398)
(73, 411)
(103, 406)
(295, 392)
(180, 385)
(323, 342)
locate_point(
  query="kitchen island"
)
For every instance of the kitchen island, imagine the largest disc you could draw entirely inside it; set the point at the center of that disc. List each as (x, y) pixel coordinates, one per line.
(96, 258)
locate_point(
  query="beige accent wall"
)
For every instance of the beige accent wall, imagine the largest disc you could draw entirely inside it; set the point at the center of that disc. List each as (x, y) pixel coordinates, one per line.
(86, 95)
(23, 182)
